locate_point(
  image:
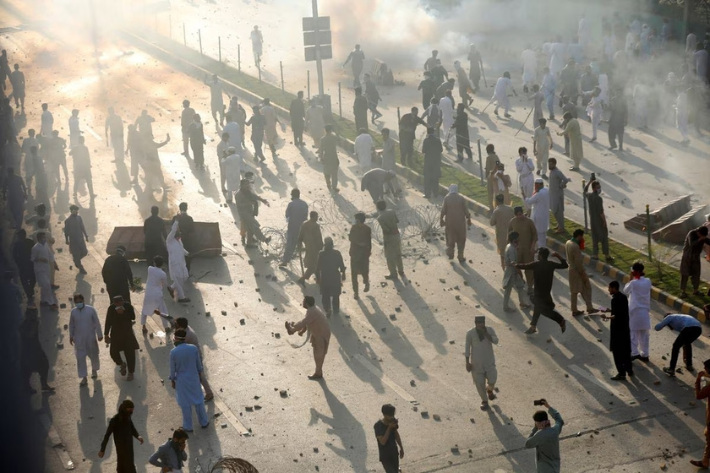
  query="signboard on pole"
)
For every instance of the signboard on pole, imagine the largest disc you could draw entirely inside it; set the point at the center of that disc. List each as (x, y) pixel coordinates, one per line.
(322, 23)
(314, 38)
(326, 52)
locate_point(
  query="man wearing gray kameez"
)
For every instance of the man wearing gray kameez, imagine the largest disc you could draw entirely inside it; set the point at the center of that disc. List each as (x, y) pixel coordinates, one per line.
(513, 277)
(296, 214)
(185, 369)
(545, 438)
(76, 237)
(374, 181)
(392, 242)
(597, 220)
(558, 183)
(84, 331)
(480, 360)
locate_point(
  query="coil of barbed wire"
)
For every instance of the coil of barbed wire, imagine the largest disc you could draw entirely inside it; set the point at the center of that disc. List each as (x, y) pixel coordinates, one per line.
(276, 247)
(233, 465)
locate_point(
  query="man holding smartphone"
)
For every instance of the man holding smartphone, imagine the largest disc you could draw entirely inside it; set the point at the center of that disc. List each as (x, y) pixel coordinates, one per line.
(545, 438)
(387, 433)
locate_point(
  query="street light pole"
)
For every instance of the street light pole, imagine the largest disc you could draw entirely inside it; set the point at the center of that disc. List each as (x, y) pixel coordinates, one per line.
(319, 65)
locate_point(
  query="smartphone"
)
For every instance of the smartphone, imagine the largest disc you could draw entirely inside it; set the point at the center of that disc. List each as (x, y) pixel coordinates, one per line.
(594, 176)
(538, 402)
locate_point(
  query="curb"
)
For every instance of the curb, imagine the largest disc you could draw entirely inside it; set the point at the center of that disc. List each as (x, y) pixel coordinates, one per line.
(411, 175)
(615, 273)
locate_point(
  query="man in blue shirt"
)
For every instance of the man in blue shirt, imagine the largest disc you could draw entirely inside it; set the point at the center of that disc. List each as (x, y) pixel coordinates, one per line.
(545, 439)
(689, 329)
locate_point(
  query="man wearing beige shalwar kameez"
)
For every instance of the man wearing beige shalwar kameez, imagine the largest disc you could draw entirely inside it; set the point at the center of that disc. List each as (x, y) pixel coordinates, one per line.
(527, 241)
(500, 219)
(455, 218)
(578, 278)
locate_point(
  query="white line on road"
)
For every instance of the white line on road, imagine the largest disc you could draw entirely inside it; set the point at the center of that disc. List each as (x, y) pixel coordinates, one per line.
(56, 442)
(165, 110)
(589, 377)
(384, 378)
(86, 127)
(233, 419)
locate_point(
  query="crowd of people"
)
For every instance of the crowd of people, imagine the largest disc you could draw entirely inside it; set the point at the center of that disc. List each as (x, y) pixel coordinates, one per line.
(597, 74)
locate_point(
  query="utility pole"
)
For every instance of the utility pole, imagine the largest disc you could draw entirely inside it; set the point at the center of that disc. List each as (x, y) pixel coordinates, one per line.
(319, 64)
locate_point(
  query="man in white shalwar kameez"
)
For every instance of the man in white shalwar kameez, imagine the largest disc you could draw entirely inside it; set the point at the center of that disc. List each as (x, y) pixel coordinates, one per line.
(525, 167)
(43, 262)
(84, 331)
(500, 94)
(584, 32)
(540, 203)
(480, 360)
(594, 111)
(74, 128)
(529, 68)
(364, 146)
(153, 300)
(232, 168)
(549, 86)
(446, 106)
(177, 263)
(638, 289)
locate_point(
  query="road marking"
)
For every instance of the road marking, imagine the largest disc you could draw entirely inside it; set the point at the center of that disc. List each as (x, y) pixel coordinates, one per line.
(243, 431)
(589, 377)
(86, 127)
(385, 379)
(165, 110)
(56, 442)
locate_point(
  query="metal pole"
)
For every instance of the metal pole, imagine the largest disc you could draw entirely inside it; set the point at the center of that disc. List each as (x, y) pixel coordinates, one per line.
(480, 160)
(308, 73)
(398, 115)
(219, 45)
(184, 35)
(319, 64)
(648, 233)
(340, 100)
(199, 36)
(584, 200)
(239, 57)
(281, 66)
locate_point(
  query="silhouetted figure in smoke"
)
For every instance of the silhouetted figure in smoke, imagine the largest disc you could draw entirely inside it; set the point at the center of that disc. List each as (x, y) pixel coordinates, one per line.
(357, 59)
(152, 167)
(216, 99)
(475, 66)
(360, 109)
(407, 132)
(135, 148)
(74, 128)
(257, 43)
(17, 79)
(144, 123)
(114, 124)
(297, 113)
(197, 141)
(82, 168)
(439, 73)
(373, 97)
(257, 123)
(186, 117)
(428, 88)
(4, 68)
(15, 193)
(432, 61)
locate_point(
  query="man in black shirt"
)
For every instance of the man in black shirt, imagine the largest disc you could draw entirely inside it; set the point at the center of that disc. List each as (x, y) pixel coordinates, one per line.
(298, 119)
(386, 431)
(117, 275)
(118, 331)
(187, 231)
(155, 235)
(619, 333)
(542, 299)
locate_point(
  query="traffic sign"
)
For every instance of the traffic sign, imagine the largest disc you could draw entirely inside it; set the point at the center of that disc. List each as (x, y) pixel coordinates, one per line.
(323, 37)
(326, 52)
(309, 23)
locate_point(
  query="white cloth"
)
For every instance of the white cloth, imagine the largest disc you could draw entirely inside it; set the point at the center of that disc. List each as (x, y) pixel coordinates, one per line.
(85, 330)
(43, 271)
(557, 57)
(363, 150)
(526, 180)
(47, 124)
(639, 342)
(529, 67)
(176, 255)
(156, 281)
(235, 135)
(232, 166)
(540, 203)
(447, 113)
(500, 93)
